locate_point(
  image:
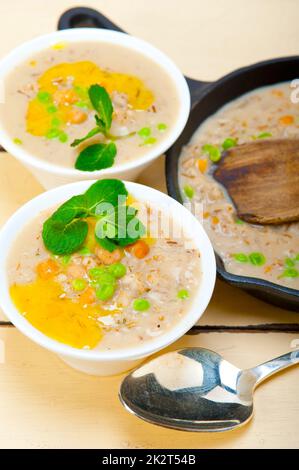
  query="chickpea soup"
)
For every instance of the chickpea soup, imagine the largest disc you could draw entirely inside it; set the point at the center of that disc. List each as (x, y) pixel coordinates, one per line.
(88, 105)
(78, 281)
(267, 252)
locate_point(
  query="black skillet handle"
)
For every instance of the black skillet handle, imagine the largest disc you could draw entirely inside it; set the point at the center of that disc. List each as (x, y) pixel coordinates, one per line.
(82, 17)
(196, 88)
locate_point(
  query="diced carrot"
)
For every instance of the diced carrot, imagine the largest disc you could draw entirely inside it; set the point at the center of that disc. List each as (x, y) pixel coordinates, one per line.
(286, 120)
(215, 220)
(47, 269)
(88, 296)
(138, 249)
(202, 164)
(206, 215)
(267, 269)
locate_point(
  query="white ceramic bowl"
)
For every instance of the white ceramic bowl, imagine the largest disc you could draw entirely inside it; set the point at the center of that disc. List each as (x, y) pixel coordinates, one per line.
(50, 175)
(108, 362)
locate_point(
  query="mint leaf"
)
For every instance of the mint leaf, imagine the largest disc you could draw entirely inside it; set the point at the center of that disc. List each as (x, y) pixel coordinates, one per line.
(75, 207)
(106, 243)
(107, 190)
(94, 131)
(96, 157)
(65, 231)
(102, 103)
(64, 238)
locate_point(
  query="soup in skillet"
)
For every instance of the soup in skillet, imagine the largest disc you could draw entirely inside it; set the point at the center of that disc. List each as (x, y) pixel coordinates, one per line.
(108, 293)
(267, 252)
(51, 93)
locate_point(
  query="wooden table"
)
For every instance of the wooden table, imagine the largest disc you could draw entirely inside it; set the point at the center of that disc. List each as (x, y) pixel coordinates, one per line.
(43, 403)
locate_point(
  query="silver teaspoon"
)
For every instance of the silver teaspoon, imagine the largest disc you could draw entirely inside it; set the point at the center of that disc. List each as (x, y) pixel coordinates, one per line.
(195, 389)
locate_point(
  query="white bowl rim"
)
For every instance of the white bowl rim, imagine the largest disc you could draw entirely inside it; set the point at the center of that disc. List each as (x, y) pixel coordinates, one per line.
(48, 199)
(19, 55)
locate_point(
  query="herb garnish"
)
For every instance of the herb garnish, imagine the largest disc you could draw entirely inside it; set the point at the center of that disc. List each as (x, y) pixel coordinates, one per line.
(102, 155)
(96, 157)
(66, 230)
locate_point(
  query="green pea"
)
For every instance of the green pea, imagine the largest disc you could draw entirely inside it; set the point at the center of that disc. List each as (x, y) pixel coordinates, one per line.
(82, 104)
(51, 109)
(65, 260)
(144, 132)
(17, 141)
(264, 135)
(183, 294)
(257, 259)
(239, 221)
(117, 270)
(106, 278)
(229, 143)
(290, 272)
(94, 273)
(63, 137)
(141, 305)
(84, 251)
(162, 127)
(101, 276)
(78, 284)
(213, 152)
(81, 92)
(289, 262)
(189, 191)
(55, 122)
(53, 133)
(241, 257)
(105, 292)
(44, 97)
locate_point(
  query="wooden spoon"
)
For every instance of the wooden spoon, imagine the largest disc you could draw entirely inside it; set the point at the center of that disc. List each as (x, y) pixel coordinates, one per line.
(262, 179)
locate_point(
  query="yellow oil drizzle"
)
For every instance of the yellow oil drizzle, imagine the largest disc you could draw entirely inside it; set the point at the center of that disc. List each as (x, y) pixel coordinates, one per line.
(59, 318)
(85, 73)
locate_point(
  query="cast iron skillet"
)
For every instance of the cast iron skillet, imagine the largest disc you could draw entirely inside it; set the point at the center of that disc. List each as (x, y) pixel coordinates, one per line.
(206, 99)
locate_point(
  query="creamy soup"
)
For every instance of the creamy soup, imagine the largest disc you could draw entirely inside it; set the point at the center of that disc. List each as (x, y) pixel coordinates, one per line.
(50, 92)
(95, 298)
(267, 252)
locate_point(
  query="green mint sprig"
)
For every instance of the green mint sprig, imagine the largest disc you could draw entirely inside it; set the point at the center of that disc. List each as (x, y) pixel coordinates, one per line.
(96, 157)
(99, 156)
(102, 155)
(66, 230)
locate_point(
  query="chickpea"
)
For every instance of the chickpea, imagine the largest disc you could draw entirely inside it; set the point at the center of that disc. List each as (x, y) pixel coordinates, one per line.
(105, 257)
(76, 116)
(76, 271)
(65, 97)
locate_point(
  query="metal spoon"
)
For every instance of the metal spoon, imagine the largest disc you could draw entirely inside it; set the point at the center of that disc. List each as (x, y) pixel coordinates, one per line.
(195, 389)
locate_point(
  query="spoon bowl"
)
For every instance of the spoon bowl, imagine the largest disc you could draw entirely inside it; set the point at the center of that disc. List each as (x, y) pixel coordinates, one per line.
(195, 389)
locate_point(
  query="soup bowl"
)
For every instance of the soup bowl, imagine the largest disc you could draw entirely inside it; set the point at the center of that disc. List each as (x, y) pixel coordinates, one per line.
(50, 174)
(111, 362)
